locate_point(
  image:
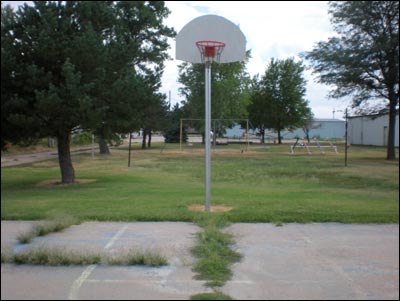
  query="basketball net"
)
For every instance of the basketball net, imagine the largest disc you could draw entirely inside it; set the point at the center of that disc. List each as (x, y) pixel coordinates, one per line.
(210, 50)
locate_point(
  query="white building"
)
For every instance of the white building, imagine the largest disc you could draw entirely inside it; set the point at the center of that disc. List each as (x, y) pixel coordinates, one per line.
(371, 130)
(321, 129)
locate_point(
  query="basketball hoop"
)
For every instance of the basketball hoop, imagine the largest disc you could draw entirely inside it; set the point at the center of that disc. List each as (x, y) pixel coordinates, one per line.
(233, 49)
(210, 50)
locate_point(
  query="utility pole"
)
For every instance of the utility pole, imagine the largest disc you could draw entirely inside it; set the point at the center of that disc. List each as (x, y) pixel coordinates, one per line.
(345, 146)
(346, 134)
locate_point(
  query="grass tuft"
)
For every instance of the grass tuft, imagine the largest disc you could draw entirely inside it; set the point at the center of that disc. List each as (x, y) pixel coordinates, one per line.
(135, 257)
(57, 224)
(54, 257)
(58, 256)
(26, 237)
(214, 254)
(6, 255)
(210, 296)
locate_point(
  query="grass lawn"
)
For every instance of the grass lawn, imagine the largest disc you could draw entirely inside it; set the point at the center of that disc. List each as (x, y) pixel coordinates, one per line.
(264, 184)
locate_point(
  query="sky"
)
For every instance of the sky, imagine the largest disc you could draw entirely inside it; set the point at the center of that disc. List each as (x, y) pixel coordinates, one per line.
(273, 29)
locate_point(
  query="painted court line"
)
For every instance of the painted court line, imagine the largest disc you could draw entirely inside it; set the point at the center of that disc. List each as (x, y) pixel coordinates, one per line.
(115, 237)
(73, 293)
(76, 285)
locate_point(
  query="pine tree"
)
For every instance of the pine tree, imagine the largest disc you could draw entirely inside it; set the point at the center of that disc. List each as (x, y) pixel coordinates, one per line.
(81, 64)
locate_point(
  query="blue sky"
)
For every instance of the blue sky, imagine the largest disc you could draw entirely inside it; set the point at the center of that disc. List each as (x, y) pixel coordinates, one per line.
(273, 29)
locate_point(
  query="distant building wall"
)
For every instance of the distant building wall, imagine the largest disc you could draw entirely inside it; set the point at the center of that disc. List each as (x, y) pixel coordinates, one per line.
(321, 129)
(371, 130)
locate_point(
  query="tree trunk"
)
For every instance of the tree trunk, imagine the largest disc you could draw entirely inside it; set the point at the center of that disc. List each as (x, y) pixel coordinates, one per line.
(279, 137)
(308, 135)
(262, 135)
(104, 150)
(149, 141)
(64, 158)
(144, 139)
(214, 135)
(391, 152)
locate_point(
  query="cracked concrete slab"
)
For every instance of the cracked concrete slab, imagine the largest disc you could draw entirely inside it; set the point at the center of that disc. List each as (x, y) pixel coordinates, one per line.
(173, 282)
(315, 261)
(295, 261)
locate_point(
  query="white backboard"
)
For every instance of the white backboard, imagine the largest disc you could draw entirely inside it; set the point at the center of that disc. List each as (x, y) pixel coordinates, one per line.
(214, 28)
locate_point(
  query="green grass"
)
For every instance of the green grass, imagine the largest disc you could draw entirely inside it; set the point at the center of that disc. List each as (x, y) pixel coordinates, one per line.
(55, 224)
(214, 253)
(53, 257)
(56, 256)
(6, 254)
(136, 257)
(266, 184)
(210, 296)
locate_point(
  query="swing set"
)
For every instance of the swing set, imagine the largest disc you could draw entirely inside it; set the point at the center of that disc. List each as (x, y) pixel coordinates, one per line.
(303, 144)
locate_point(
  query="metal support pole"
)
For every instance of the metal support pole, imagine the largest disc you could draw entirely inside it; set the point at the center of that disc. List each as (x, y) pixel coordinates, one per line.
(129, 156)
(180, 136)
(92, 146)
(247, 135)
(345, 143)
(207, 136)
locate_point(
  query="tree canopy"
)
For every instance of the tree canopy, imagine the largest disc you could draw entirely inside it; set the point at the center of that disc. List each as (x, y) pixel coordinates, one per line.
(363, 60)
(278, 99)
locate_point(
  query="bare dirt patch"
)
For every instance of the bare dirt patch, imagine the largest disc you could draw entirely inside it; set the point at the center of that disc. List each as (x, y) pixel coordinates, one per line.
(45, 164)
(216, 208)
(51, 183)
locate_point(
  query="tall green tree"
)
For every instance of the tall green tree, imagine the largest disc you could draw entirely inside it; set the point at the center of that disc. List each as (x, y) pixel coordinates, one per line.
(138, 43)
(363, 60)
(78, 64)
(278, 99)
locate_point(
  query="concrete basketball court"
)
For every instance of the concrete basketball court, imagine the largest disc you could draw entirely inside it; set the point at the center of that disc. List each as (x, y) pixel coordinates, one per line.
(295, 261)
(324, 261)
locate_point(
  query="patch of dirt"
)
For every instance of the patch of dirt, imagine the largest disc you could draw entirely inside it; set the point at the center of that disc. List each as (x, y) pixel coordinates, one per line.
(51, 183)
(216, 208)
(46, 164)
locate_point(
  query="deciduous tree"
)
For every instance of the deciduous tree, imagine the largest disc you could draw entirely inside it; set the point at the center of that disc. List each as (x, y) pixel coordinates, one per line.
(278, 99)
(363, 60)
